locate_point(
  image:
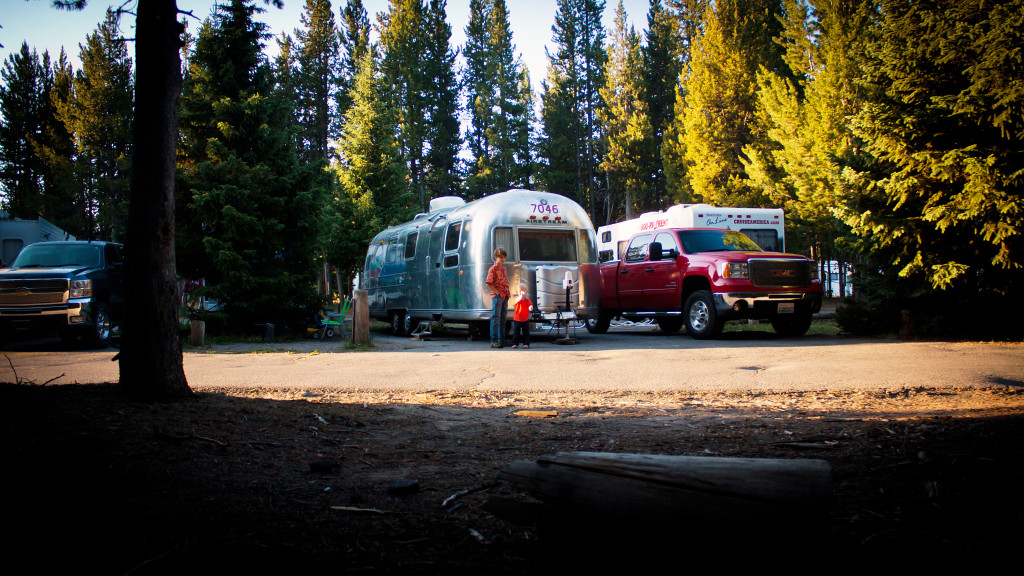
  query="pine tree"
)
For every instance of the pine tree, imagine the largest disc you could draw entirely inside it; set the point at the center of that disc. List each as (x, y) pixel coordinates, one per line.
(442, 98)
(626, 123)
(942, 207)
(319, 65)
(21, 104)
(249, 214)
(716, 105)
(354, 34)
(496, 102)
(371, 172)
(663, 58)
(403, 41)
(62, 202)
(570, 150)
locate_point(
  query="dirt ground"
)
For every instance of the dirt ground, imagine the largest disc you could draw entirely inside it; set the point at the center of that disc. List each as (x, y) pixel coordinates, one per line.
(385, 483)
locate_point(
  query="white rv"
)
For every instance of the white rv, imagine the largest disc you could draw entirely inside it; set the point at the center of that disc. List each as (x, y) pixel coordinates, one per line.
(765, 226)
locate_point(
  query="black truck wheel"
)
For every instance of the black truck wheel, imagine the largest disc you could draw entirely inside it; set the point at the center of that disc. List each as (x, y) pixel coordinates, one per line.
(701, 318)
(99, 335)
(600, 324)
(670, 324)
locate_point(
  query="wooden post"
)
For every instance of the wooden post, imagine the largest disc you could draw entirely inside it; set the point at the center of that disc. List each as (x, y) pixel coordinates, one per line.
(198, 334)
(360, 317)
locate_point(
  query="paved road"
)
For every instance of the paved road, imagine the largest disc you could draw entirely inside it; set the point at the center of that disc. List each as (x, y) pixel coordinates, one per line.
(633, 359)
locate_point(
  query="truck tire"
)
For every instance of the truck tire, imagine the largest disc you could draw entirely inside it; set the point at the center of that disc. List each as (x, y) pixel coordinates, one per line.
(408, 324)
(600, 324)
(700, 315)
(791, 325)
(99, 334)
(670, 324)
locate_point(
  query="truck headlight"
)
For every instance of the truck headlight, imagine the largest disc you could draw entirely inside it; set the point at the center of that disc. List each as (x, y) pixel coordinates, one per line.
(81, 288)
(812, 270)
(735, 270)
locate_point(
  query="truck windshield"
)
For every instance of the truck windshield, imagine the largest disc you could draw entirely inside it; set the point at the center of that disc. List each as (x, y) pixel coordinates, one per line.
(547, 245)
(59, 255)
(697, 241)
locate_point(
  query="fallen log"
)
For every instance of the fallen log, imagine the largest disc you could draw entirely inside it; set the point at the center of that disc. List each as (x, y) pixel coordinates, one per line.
(598, 499)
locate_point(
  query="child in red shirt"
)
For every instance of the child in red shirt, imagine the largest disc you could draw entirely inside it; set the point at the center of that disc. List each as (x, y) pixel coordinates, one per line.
(521, 318)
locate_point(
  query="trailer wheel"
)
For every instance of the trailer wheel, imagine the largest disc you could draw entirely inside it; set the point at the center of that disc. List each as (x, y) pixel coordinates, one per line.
(792, 324)
(398, 323)
(701, 318)
(478, 330)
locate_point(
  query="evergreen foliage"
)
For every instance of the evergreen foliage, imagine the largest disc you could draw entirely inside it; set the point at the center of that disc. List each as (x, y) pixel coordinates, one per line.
(663, 58)
(570, 148)
(249, 214)
(354, 34)
(22, 106)
(940, 210)
(100, 117)
(626, 124)
(443, 132)
(716, 107)
(499, 102)
(371, 173)
(316, 80)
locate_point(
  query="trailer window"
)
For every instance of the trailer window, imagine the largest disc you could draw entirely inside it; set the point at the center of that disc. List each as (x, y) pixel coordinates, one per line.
(588, 246)
(539, 245)
(392, 250)
(451, 238)
(410, 245)
(503, 239)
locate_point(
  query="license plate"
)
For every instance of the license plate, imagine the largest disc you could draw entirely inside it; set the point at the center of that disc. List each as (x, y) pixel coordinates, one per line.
(786, 308)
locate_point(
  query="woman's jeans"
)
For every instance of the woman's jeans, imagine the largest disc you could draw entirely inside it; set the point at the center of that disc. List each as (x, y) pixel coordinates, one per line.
(499, 310)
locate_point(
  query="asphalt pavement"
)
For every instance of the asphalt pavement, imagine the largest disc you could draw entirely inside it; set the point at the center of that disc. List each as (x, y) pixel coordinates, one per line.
(628, 358)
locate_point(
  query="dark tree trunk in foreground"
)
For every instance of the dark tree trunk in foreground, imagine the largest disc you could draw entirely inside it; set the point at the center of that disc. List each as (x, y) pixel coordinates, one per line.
(150, 358)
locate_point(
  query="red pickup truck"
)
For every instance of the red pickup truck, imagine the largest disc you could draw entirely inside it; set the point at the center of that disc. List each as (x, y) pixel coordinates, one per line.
(702, 277)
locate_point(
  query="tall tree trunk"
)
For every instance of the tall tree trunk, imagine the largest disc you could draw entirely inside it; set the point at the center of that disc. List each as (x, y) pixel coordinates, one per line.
(150, 358)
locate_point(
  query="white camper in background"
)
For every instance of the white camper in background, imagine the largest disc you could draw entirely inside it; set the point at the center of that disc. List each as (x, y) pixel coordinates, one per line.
(16, 233)
(765, 226)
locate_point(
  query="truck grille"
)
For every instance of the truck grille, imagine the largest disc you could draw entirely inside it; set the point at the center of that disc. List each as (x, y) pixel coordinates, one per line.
(779, 273)
(33, 292)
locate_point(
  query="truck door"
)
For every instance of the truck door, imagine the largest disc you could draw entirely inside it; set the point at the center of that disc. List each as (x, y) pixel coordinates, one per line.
(662, 287)
(633, 275)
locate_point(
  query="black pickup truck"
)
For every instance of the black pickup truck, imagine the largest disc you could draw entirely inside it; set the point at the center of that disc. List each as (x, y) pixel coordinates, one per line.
(71, 289)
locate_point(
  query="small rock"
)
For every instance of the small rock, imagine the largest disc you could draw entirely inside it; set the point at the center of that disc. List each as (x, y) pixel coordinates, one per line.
(402, 486)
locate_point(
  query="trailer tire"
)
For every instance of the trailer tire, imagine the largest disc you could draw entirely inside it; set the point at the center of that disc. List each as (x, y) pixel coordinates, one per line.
(701, 317)
(398, 323)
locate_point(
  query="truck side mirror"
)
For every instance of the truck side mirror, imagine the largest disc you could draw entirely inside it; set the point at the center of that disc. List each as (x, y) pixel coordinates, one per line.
(654, 251)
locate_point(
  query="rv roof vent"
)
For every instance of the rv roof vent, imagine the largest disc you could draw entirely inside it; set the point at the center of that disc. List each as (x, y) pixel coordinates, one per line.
(442, 202)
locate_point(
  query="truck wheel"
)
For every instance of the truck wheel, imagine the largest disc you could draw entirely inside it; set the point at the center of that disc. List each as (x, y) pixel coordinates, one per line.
(600, 324)
(670, 324)
(792, 324)
(398, 323)
(99, 336)
(408, 324)
(700, 315)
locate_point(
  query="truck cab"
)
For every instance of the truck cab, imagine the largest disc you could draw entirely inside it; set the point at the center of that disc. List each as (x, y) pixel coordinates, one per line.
(72, 289)
(702, 277)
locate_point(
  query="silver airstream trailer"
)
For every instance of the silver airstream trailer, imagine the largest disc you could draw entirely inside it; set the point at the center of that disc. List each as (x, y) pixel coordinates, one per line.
(433, 268)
